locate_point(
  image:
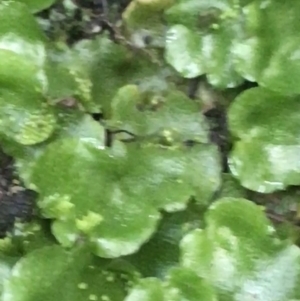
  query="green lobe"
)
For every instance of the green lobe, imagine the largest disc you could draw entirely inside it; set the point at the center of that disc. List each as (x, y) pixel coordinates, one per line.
(269, 53)
(25, 118)
(184, 284)
(104, 200)
(70, 124)
(171, 118)
(259, 111)
(25, 39)
(194, 13)
(77, 124)
(240, 256)
(180, 284)
(265, 159)
(237, 256)
(183, 51)
(171, 176)
(148, 289)
(114, 67)
(142, 13)
(27, 28)
(79, 274)
(274, 168)
(201, 39)
(113, 218)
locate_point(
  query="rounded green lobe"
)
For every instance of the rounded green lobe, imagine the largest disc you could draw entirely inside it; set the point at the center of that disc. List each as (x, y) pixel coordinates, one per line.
(181, 284)
(201, 39)
(26, 28)
(148, 289)
(259, 111)
(114, 66)
(193, 13)
(184, 284)
(124, 222)
(51, 273)
(26, 40)
(239, 254)
(265, 159)
(183, 51)
(265, 166)
(70, 124)
(175, 119)
(100, 190)
(18, 74)
(141, 13)
(25, 117)
(171, 176)
(269, 53)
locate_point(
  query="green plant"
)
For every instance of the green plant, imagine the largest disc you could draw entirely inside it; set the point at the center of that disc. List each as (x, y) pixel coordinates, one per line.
(133, 201)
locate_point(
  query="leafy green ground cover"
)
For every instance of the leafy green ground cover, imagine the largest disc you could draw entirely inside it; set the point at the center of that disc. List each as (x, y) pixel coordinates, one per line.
(149, 150)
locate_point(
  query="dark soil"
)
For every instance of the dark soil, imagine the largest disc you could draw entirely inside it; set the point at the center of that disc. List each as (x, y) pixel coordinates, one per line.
(16, 202)
(219, 134)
